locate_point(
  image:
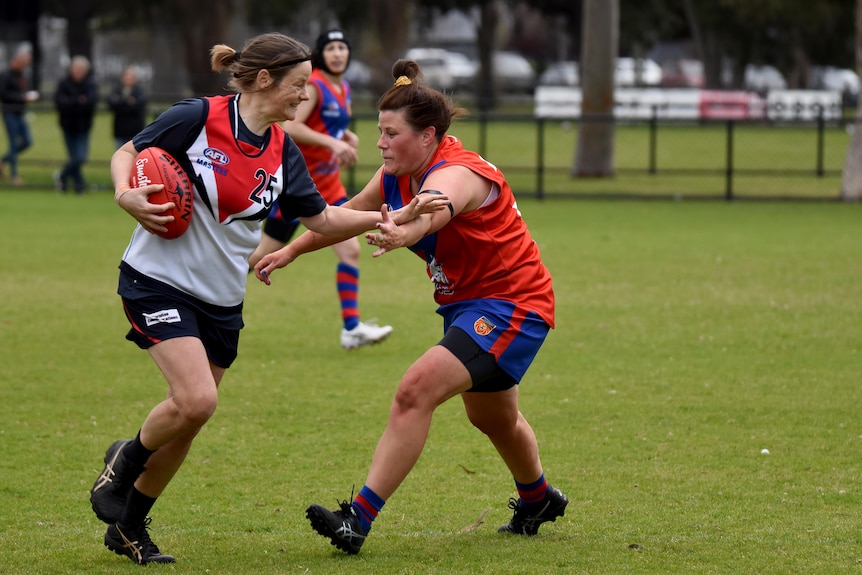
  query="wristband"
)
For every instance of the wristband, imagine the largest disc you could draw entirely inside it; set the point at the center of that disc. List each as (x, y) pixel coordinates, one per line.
(122, 190)
(439, 193)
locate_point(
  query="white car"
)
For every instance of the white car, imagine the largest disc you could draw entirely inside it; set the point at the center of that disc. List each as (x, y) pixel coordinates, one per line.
(634, 72)
(444, 69)
(762, 78)
(513, 72)
(358, 75)
(463, 69)
(560, 74)
(841, 80)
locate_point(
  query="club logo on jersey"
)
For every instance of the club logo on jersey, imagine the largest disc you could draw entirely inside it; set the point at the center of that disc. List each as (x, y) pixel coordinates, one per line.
(217, 156)
(442, 285)
(215, 161)
(483, 326)
(331, 111)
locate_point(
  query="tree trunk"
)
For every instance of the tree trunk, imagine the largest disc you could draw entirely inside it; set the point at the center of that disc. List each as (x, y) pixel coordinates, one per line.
(390, 20)
(207, 23)
(487, 40)
(79, 38)
(594, 156)
(851, 184)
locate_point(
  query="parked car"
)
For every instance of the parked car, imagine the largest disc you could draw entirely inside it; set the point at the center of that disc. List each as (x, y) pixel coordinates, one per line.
(560, 74)
(358, 75)
(629, 72)
(762, 78)
(513, 72)
(683, 73)
(633, 72)
(841, 80)
(435, 67)
(463, 70)
(444, 69)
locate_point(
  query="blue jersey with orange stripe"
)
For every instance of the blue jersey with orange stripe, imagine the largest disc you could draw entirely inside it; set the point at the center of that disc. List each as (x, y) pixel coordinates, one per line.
(332, 117)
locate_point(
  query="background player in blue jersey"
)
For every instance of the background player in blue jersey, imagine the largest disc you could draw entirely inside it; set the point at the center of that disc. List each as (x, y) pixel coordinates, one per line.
(321, 130)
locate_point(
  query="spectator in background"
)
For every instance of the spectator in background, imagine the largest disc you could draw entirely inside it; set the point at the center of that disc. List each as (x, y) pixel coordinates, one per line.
(76, 99)
(129, 104)
(14, 96)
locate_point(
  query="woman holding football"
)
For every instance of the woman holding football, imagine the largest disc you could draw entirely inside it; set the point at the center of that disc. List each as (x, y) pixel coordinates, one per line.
(495, 315)
(183, 297)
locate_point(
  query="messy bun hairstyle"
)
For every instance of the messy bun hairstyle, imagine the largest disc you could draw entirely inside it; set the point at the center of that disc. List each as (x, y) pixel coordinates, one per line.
(422, 105)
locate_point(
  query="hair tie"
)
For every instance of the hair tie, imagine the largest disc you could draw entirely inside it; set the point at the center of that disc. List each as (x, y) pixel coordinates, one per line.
(403, 81)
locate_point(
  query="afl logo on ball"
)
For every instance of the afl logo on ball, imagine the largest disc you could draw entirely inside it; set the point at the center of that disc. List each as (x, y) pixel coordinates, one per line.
(482, 326)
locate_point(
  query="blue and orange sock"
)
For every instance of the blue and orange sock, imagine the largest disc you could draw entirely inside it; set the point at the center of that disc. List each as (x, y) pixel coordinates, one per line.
(367, 504)
(532, 493)
(347, 282)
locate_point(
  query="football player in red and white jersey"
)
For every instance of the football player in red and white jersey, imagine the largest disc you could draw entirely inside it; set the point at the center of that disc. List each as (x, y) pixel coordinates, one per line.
(183, 297)
(493, 291)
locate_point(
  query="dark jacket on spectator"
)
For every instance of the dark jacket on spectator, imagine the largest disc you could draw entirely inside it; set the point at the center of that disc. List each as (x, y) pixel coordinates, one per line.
(76, 103)
(13, 87)
(129, 105)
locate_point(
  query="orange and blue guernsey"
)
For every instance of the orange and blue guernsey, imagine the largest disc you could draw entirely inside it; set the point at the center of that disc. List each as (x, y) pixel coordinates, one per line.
(332, 117)
(487, 253)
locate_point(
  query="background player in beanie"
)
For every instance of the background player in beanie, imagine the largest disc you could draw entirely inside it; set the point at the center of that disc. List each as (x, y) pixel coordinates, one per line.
(321, 131)
(495, 315)
(184, 297)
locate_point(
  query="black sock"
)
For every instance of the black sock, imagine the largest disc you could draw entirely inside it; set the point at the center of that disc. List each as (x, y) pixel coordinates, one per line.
(137, 508)
(135, 452)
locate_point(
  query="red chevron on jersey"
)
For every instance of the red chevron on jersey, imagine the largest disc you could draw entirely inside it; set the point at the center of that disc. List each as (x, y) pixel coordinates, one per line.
(227, 166)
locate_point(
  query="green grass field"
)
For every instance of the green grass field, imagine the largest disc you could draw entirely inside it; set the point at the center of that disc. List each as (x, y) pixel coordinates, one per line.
(691, 335)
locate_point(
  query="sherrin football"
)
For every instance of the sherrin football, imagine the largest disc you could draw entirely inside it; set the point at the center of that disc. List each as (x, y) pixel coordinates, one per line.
(156, 166)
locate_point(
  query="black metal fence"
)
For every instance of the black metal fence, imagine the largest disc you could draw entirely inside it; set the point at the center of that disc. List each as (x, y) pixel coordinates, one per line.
(654, 156)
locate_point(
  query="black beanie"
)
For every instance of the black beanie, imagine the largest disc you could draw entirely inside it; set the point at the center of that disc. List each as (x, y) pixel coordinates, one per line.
(334, 35)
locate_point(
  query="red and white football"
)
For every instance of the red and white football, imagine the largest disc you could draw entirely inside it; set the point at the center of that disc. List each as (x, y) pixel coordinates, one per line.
(156, 166)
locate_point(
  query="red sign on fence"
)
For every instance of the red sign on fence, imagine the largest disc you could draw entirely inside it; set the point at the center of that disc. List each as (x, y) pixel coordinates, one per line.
(724, 105)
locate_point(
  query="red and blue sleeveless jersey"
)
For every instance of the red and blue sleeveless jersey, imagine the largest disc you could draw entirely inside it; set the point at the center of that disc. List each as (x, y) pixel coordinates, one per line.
(332, 117)
(238, 176)
(486, 253)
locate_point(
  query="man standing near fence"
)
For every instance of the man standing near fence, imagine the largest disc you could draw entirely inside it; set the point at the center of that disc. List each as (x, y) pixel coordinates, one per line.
(14, 96)
(76, 98)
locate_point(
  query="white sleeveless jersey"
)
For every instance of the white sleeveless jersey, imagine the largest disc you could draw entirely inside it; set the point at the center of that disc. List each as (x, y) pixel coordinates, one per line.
(237, 181)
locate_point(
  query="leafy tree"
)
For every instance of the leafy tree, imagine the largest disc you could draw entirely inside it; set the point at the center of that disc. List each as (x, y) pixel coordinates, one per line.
(786, 33)
(199, 23)
(78, 14)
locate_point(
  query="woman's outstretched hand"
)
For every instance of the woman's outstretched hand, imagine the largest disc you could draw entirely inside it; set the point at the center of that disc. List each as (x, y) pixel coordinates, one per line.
(271, 262)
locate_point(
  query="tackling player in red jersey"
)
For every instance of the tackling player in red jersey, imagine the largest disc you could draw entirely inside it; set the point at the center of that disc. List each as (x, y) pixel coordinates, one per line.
(493, 291)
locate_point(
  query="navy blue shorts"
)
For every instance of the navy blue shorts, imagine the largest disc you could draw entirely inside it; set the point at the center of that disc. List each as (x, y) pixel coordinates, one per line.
(157, 314)
(495, 340)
